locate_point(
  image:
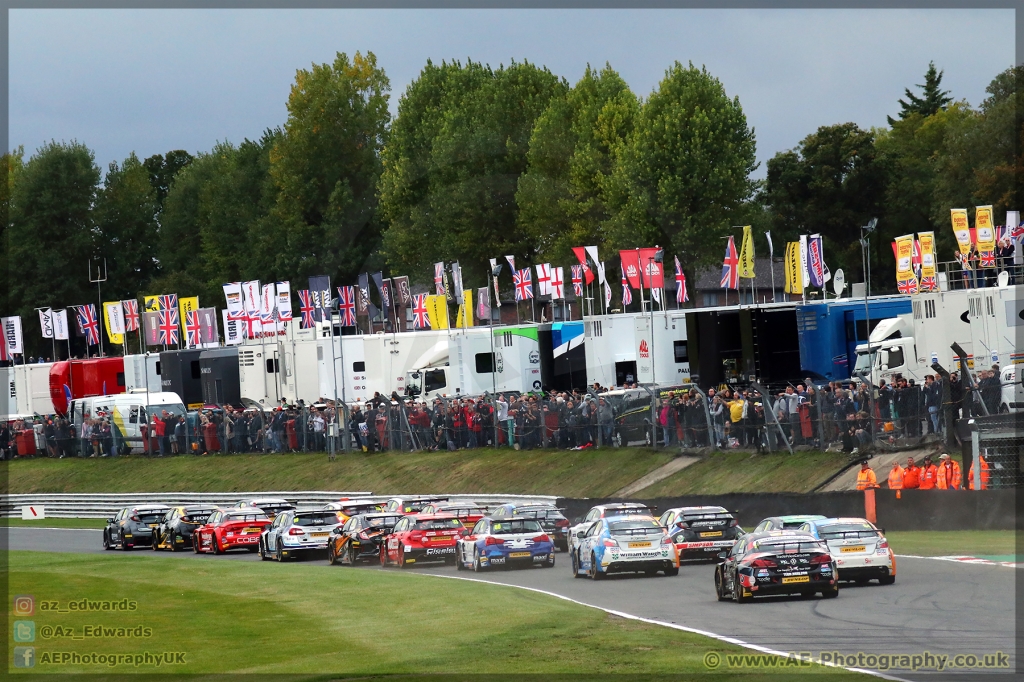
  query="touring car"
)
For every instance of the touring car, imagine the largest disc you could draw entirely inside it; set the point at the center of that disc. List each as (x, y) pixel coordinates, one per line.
(133, 526)
(507, 542)
(297, 532)
(861, 551)
(174, 532)
(776, 563)
(606, 510)
(621, 544)
(792, 522)
(410, 505)
(231, 528)
(701, 532)
(271, 506)
(360, 538)
(467, 512)
(549, 516)
(346, 509)
(419, 538)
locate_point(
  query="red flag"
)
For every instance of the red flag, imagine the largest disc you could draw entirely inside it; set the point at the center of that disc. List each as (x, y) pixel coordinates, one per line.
(654, 273)
(581, 256)
(631, 267)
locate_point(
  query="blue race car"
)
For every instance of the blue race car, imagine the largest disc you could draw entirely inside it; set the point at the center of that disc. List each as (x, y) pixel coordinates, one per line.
(623, 544)
(496, 543)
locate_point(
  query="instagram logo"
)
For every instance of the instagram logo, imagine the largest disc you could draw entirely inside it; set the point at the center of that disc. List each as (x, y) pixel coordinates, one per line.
(24, 605)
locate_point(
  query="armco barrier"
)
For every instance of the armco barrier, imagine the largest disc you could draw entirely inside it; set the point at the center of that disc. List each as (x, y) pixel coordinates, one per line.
(98, 506)
(915, 510)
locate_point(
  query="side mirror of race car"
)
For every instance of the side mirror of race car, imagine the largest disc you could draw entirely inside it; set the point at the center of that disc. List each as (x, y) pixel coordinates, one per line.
(721, 555)
(110, 520)
(580, 533)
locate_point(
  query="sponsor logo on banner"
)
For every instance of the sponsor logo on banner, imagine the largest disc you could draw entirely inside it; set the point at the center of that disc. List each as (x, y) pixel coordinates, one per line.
(645, 351)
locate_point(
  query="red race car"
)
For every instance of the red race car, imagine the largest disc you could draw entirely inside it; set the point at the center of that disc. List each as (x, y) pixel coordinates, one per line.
(230, 529)
(467, 512)
(419, 538)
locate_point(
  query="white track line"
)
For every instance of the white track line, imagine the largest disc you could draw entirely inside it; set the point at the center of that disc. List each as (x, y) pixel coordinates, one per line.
(674, 626)
(90, 530)
(965, 560)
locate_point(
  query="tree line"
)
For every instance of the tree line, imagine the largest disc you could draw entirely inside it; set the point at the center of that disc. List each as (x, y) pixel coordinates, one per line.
(482, 162)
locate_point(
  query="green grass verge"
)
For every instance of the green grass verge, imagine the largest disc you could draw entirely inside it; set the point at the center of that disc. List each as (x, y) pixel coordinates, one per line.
(54, 523)
(743, 472)
(260, 618)
(585, 473)
(953, 543)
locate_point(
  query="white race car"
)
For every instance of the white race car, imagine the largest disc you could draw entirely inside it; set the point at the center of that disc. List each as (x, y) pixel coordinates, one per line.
(604, 511)
(859, 548)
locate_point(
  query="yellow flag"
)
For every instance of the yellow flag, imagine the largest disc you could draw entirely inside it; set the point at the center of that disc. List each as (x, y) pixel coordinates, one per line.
(906, 280)
(437, 311)
(186, 305)
(151, 304)
(927, 242)
(465, 317)
(115, 331)
(984, 230)
(961, 229)
(747, 254)
(794, 271)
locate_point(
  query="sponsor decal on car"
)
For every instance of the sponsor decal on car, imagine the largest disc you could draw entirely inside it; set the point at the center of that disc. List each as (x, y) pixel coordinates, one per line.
(518, 555)
(496, 560)
(796, 579)
(431, 551)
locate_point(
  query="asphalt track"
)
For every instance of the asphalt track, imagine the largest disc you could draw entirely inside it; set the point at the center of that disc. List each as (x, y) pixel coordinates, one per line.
(939, 607)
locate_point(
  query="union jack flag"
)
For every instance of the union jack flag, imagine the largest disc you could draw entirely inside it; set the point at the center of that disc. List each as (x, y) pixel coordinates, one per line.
(167, 326)
(420, 319)
(730, 267)
(131, 315)
(627, 291)
(681, 295)
(929, 284)
(439, 278)
(89, 323)
(907, 286)
(1016, 232)
(307, 308)
(577, 280)
(193, 337)
(169, 302)
(347, 306)
(988, 259)
(523, 283)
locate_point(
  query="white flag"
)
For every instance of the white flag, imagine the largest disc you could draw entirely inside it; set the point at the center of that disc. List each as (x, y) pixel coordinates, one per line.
(511, 263)
(284, 301)
(268, 302)
(233, 330)
(12, 334)
(115, 317)
(771, 248)
(457, 281)
(46, 322)
(251, 295)
(592, 252)
(607, 293)
(556, 286)
(543, 278)
(806, 277)
(600, 272)
(60, 325)
(233, 296)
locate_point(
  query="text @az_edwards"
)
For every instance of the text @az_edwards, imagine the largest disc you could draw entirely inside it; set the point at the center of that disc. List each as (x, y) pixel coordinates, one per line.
(924, 660)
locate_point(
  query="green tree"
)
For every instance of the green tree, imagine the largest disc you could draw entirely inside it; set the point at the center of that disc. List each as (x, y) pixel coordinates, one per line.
(574, 147)
(933, 98)
(126, 229)
(831, 184)
(162, 168)
(685, 170)
(51, 230)
(452, 165)
(12, 164)
(326, 166)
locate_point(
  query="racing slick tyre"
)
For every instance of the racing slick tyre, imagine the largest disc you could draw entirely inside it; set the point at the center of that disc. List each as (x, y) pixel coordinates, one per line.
(887, 580)
(830, 594)
(332, 557)
(106, 541)
(477, 567)
(576, 572)
(352, 560)
(550, 563)
(594, 573)
(215, 545)
(383, 557)
(401, 556)
(279, 553)
(671, 572)
(720, 588)
(460, 565)
(155, 542)
(124, 545)
(738, 591)
(195, 543)
(264, 557)
(172, 542)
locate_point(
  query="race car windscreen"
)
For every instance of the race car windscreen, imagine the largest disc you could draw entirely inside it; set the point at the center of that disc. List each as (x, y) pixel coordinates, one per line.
(383, 521)
(318, 519)
(151, 515)
(438, 524)
(514, 526)
(248, 516)
(628, 511)
(797, 545)
(196, 515)
(635, 527)
(540, 513)
(835, 531)
(465, 511)
(275, 507)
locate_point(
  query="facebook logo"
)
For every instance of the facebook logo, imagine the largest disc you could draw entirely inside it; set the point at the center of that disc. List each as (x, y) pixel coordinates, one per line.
(24, 657)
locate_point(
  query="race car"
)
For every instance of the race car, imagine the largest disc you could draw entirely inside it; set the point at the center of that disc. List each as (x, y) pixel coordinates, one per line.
(293, 532)
(360, 538)
(271, 506)
(779, 562)
(346, 509)
(507, 542)
(548, 515)
(861, 551)
(174, 531)
(792, 522)
(701, 532)
(231, 528)
(621, 544)
(467, 512)
(419, 538)
(133, 526)
(603, 511)
(410, 505)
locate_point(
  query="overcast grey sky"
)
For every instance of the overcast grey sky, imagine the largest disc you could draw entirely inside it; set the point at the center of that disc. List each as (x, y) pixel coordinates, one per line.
(153, 80)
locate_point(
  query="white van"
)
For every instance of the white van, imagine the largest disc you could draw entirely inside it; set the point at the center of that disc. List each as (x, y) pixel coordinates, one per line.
(128, 412)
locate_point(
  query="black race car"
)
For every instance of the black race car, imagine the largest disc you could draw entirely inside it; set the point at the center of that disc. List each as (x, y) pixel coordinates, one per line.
(174, 531)
(549, 516)
(701, 532)
(776, 563)
(133, 526)
(360, 538)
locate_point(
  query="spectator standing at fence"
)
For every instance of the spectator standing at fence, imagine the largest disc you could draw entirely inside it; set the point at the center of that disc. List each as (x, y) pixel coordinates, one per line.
(606, 421)
(736, 419)
(179, 434)
(929, 474)
(896, 476)
(159, 431)
(718, 420)
(866, 476)
(667, 420)
(948, 477)
(884, 401)
(991, 390)
(932, 400)
(985, 474)
(911, 475)
(956, 394)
